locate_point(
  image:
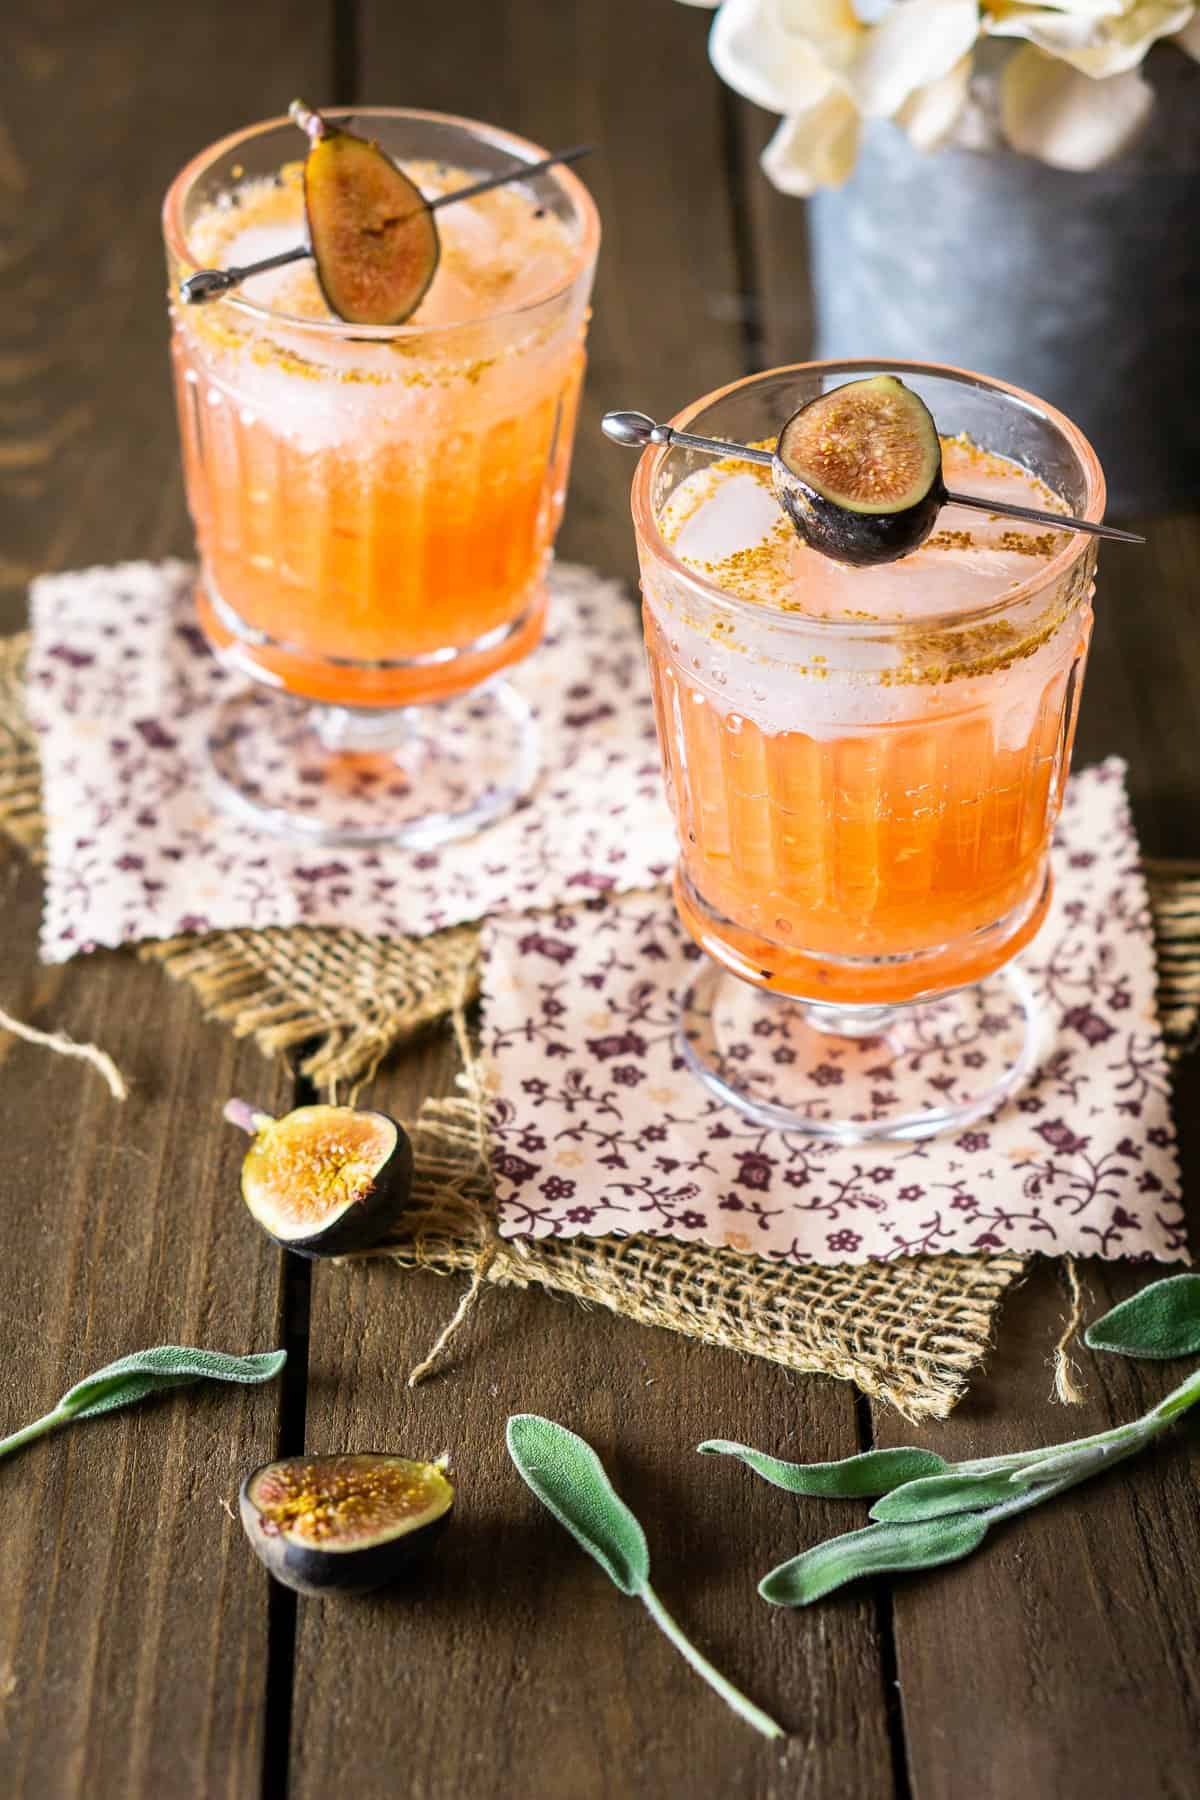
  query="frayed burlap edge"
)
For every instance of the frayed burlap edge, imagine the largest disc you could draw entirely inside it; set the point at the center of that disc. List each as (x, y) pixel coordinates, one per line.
(347, 999)
(907, 1332)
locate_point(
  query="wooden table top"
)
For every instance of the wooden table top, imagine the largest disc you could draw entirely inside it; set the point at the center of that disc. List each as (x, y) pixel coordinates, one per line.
(142, 1650)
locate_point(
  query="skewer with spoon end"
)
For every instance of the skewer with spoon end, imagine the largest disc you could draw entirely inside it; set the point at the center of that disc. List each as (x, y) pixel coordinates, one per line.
(638, 430)
(210, 284)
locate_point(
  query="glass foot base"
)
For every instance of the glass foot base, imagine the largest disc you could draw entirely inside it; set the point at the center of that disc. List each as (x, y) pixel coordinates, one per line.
(417, 776)
(857, 1074)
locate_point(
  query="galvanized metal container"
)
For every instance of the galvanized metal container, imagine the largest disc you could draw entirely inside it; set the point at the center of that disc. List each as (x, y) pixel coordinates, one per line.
(1084, 288)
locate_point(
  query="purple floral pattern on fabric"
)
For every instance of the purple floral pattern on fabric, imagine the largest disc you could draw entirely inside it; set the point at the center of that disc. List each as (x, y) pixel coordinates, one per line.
(122, 689)
(583, 1061)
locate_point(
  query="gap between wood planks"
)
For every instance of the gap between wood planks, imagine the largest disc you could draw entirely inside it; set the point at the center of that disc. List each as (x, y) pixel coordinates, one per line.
(738, 135)
(281, 1601)
(297, 1271)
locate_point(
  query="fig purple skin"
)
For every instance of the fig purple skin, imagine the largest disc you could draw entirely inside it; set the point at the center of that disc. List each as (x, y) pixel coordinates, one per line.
(324, 1180)
(343, 1524)
(858, 470)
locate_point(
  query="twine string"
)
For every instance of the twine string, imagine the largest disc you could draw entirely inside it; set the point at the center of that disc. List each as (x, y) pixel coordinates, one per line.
(1067, 1387)
(489, 1244)
(62, 1045)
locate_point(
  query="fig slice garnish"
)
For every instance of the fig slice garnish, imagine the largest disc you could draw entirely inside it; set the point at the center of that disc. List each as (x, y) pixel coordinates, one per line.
(858, 470)
(372, 233)
(324, 1180)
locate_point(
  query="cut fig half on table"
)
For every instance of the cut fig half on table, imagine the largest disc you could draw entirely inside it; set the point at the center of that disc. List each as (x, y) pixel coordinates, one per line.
(343, 1524)
(324, 1180)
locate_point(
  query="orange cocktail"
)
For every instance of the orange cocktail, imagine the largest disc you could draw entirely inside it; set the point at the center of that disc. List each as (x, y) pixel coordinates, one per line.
(375, 505)
(865, 764)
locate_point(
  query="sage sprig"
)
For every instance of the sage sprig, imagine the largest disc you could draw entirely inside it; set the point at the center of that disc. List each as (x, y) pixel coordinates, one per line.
(570, 1481)
(132, 1378)
(854, 1478)
(929, 1511)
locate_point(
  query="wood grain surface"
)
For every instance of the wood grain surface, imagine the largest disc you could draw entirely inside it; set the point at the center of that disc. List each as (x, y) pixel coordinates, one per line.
(142, 1650)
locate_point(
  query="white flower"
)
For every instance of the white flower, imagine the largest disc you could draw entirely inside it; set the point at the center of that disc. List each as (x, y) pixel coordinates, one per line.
(820, 65)
(1049, 110)
(1100, 38)
(1070, 94)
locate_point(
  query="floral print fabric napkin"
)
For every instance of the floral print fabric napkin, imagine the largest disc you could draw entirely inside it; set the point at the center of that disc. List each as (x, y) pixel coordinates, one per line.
(122, 691)
(598, 1127)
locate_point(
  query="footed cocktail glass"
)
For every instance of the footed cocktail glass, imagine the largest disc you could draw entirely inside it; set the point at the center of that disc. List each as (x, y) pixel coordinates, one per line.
(375, 506)
(865, 773)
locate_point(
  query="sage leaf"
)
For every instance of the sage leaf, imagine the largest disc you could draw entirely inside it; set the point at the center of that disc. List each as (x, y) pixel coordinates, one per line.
(939, 1496)
(876, 1550)
(854, 1478)
(1162, 1320)
(1176, 1402)
(570, 1481)
(167, 1365)
(132, 1378)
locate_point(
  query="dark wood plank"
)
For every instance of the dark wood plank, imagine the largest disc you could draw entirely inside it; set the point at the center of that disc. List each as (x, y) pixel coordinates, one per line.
(132, 1634)
(1142, 693)
(511, 1665)
(778, 307)
(514, 1667)
(1060, 1660)
(101, 105)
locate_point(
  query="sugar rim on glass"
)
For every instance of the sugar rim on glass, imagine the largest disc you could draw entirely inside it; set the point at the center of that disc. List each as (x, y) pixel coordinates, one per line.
(646, 522)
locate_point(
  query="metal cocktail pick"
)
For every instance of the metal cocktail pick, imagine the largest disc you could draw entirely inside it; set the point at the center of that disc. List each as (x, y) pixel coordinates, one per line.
(639, 429)
(208, 284)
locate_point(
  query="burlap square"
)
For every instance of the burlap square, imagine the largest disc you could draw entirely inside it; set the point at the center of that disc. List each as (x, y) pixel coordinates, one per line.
(908, 1331)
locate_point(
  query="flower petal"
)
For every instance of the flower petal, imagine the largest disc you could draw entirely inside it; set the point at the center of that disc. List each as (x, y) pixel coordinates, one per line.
(755, 52)
(1096, 46)
(912, 45)
(1068, 119)
(816, 148)
(1189, 38)
(931, 112)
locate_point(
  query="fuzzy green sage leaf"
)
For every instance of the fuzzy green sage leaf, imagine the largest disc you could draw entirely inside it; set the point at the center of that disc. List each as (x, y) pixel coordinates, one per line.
(570, 1481)
(876, 1550)
(145, 1372)
(1162, 1320)
(854, 1478)
(939, 1495)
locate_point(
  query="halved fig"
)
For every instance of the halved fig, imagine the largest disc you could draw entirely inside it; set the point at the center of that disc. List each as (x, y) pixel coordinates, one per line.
(859, 471)
(372, 233)
(343, 1523)
(324, 1180)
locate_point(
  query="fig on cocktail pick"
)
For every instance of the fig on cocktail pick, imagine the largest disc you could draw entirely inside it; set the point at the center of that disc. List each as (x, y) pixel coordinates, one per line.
(372, 233)
(204, 285)
(858, 470)
(324, 1180)
(343, 1524)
